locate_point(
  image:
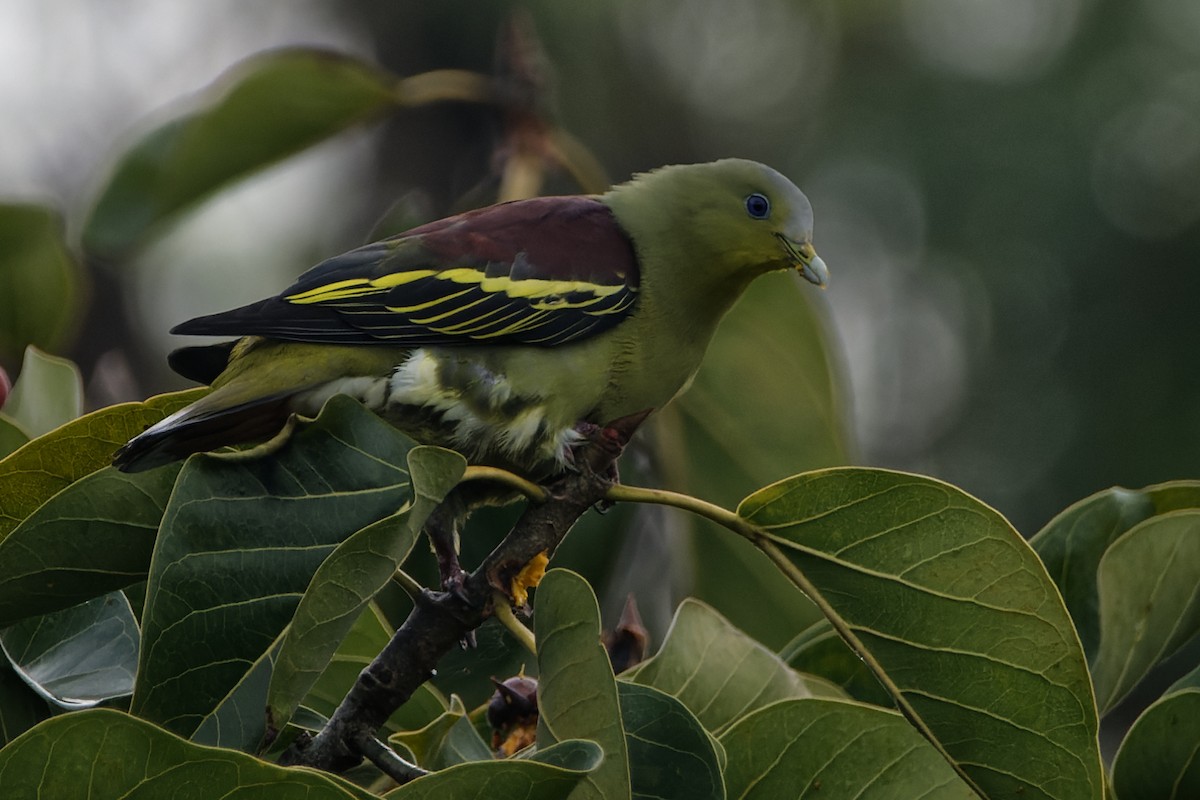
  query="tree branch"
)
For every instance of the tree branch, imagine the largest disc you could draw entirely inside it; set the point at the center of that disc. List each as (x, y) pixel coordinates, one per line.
(440, 620)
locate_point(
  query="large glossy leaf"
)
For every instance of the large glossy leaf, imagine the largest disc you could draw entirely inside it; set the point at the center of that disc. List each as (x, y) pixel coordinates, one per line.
(237, 720)
(368, 636)
(79, 656)
(956, 615)
(106, 755)
(11, 436)
(20, 706)
(1188, 681)
(48, 393)
(1072, 544)
(1174, 495)
(40, 281)
(577, 693)
(670, 753)
(267, 108)
(239, 543)
(551, 774)
(767, 403)
(718, 672)
(47, 465)
(818, 650)
(448, 740)
(355, 572)
(1160, 756)
(829, 748)
(1149, 588)
(93, 537)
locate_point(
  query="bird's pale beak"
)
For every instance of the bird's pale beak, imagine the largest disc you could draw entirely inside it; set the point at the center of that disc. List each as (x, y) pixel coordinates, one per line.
(806, 261)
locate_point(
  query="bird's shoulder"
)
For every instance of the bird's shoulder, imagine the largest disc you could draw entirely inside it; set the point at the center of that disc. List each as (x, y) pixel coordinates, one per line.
(572, 238)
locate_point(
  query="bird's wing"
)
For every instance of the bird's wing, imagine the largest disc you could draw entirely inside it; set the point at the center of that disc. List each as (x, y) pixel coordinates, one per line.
(545, 271)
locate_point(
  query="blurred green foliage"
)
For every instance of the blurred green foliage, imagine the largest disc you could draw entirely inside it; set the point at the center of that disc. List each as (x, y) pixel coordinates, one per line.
(1008, 196)
(42, 288)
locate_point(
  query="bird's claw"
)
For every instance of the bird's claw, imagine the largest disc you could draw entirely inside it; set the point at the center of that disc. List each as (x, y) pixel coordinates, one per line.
(453, 579)
(607, 437)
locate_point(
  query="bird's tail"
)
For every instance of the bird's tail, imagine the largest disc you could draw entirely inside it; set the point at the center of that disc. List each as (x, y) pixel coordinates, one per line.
(207, 424)
(254, 382)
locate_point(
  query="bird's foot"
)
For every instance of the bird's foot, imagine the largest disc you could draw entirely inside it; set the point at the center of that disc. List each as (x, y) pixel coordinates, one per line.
(453, 576)
(583, 433)
(609, 438)
(454, 580)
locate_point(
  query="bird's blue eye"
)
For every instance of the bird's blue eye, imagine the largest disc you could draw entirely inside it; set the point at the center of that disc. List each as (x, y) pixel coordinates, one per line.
(758, 206)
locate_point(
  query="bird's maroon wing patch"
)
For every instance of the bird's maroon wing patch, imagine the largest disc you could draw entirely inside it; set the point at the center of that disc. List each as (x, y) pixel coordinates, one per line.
(545, 271)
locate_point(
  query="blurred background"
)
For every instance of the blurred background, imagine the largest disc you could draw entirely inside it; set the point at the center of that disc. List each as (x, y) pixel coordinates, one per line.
(1007, 193)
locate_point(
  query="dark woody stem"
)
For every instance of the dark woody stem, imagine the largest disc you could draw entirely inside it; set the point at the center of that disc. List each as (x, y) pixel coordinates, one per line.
(440, 620)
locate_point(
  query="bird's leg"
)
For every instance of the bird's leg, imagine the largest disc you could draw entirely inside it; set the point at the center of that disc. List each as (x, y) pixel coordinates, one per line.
(611, 438)
(442, 528)
(589, 432)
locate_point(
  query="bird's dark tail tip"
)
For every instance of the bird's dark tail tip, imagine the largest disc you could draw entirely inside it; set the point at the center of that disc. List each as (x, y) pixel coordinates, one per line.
(201, 363)
(201, 427)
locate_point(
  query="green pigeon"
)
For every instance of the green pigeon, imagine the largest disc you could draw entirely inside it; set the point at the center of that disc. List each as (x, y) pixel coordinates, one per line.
(506, 332)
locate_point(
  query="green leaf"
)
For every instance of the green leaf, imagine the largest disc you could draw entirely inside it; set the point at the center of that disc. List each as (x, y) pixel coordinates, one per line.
(239, 543)
(670, 753)
(1189, 681)
(93, 537)
(551, 774)
(777, 319)
(237, 720)
(369, 635)
(48, 464)
(79, 656)
(20, 706)
(955, 613)
(264, 110)
(11, 435)
(1174, 495)
(819, 650)
(830, 748)
(733, 432)
(1072, 544)
(577, 693)
(1149, 587)
(719, 672)
(448, 740)
(48, 393)
(41, 295)
(1160, 756)
(354, 573)
(104, 755)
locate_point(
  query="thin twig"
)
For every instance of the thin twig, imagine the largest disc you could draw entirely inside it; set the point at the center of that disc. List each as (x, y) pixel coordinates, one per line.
(388, 760)
(526, 487)
(408, 583)
(721, 516)
(508, 619)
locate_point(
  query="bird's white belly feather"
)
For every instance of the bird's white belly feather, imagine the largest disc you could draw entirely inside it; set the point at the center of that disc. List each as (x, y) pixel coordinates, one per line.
(486, 417)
